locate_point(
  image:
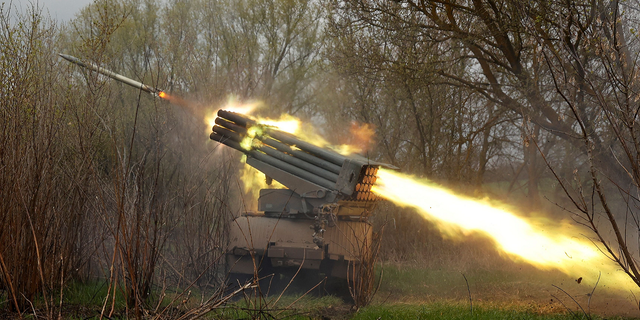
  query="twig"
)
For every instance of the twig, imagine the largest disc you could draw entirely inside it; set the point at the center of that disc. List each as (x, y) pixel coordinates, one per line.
(7, 278)
(565, 306)
(61, 287)
(592, 291)
(574, 300)
(469, 291)
(35, 315)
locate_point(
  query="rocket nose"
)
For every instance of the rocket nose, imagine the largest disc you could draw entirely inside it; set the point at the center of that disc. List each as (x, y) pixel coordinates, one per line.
(68, 57)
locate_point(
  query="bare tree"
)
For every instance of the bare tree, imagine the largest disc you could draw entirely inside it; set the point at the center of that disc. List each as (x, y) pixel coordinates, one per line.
(563, 74)
(589, 55)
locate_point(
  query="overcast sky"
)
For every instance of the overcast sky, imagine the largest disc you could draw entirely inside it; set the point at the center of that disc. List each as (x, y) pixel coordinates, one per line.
(61, 10)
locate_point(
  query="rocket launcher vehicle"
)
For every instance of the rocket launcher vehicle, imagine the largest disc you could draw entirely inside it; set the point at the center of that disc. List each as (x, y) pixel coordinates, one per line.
(317, 178)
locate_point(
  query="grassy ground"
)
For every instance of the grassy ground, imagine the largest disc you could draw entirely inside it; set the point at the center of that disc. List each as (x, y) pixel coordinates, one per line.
(456, 310)
(413, 292)
(407, 292)
(521, 290)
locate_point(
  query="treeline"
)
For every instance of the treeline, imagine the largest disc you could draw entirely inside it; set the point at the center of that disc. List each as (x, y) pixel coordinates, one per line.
(536, 100)
(530, 100)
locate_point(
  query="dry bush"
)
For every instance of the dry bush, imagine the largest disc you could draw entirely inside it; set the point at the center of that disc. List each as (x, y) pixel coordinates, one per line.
(42, 177)
(158, 192)
(361, 275)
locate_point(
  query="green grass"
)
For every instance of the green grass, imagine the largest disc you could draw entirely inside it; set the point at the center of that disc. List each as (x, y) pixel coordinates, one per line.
(420, 282)
(413, 292)
(91, 294)
(406, 292)
(288, 307)
(321, 308)
(456, 310)
(509, 291)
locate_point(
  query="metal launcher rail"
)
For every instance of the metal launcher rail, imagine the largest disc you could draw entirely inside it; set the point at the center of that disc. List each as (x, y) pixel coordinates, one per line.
(317, 175)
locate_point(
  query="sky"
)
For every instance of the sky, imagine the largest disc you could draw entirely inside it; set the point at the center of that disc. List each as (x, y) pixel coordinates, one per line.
(60, 10)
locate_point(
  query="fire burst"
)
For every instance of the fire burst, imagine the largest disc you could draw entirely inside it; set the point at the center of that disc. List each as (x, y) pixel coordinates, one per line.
(537, 243)
(361, 133)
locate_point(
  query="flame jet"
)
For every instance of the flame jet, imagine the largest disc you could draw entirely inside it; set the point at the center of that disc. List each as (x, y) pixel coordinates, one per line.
(139, 85)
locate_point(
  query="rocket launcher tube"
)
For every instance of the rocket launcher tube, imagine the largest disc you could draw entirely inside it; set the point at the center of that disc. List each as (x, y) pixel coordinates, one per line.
(332, 157)
(113, 75)
(280, 155)
(239, 127)
(236, 118)
(275, 162)
(299, 163)
(321, 153)
(228, 133)
(230, 125)
(326, 165)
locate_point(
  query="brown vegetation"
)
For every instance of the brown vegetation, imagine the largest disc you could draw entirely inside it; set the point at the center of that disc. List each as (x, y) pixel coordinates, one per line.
(43, 177)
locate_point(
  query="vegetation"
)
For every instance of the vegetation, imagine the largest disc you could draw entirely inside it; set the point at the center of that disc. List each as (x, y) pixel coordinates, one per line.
(535, 101)
(459, 311)
(409, 292)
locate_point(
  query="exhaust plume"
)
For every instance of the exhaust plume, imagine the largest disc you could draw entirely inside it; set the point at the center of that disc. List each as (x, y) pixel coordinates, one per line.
(544, 244)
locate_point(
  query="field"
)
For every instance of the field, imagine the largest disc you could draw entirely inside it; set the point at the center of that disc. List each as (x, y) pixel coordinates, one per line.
(405, 292)
(410, 292)
(525, 292)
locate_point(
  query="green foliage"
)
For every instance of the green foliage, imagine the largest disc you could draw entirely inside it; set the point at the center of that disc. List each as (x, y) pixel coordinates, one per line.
(91, 294)
(287, 307)
(456, 310)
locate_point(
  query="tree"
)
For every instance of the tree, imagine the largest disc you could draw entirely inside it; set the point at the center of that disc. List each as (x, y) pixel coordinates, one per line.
(590, 61)
(390, 77)
(564, 69)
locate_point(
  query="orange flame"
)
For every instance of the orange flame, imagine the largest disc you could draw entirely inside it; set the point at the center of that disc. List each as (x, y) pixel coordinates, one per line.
(192, 107)
(359, 140)
(543, 245)
(233, 106)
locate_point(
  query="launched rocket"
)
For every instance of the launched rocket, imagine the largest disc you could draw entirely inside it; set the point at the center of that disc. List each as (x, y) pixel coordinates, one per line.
(139, 85)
